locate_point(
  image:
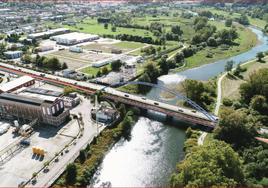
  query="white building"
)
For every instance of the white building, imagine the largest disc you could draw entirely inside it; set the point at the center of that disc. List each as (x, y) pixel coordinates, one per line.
(48, 33)
(74, 38)
(13, 54)
(75, 49)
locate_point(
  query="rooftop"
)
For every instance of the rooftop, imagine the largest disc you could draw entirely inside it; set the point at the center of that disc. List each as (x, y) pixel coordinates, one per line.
(15, 83)
(21, 99)
(74, 36)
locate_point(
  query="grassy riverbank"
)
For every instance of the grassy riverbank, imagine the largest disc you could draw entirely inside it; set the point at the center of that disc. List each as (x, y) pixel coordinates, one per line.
(231, 84)
(247, 39)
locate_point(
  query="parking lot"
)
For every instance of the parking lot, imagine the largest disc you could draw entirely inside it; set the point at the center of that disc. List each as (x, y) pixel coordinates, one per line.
(24, 163)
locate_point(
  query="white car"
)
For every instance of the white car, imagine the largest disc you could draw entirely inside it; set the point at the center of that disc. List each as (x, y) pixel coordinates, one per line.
(4, 128)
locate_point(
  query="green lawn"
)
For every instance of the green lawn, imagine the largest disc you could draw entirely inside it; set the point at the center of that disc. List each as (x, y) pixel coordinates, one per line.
(257, 22)
(129, 45)
(93, 70)
(91, 26)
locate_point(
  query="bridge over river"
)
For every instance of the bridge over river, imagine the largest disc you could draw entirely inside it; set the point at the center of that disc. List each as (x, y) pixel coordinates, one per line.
(197, 116)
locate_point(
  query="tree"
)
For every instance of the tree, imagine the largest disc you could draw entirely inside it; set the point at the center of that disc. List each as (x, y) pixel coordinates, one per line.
(259, 103)
(243, 20)
(115, 65)
(144, 78)
(71, 173)
(106, 26)
(179, 57)
(229, 22)
(176, 30)
(257, 84)
(113, 28)
(260, 55)
(229, 66)
(104, 70)
(27, 58)
(64, 66)
(152, 70)
(164, 67)
(82, 156)
(234, 128)
(212, 164)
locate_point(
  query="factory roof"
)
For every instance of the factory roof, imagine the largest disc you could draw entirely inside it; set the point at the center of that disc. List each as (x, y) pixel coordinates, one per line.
(44, 92)
(21, 99)
(15, 83)
(74, 36)
(12, 52)
(49, 32)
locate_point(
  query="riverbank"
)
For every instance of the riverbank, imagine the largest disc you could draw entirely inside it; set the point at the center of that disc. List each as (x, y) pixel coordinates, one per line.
(247, 40)
(90, 158)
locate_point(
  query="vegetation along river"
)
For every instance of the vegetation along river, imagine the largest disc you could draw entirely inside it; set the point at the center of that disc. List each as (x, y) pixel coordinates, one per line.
(150, 156)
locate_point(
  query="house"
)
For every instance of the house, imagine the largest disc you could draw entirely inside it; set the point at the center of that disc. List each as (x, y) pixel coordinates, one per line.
(13, 54)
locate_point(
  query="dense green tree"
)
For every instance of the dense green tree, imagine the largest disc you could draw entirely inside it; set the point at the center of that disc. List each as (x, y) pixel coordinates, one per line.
(27, 58)
(144, 78)
(243, 19)
(71, 173)
(213, 164)
(106, 26)
(229, 22)
(113, 28)
(64, 66)
(164, 66)
(234, 128)
(259, 103)
(257, 84)
(179, 57)
(260, 55)
(152, 70)
(229, 66)
(176, 30)
(82, 156)
(115, 65)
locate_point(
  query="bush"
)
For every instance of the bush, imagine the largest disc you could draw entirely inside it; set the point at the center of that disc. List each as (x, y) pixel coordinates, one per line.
(227, 102)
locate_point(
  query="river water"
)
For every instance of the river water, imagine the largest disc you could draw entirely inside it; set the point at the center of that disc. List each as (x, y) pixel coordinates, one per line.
(150, 156)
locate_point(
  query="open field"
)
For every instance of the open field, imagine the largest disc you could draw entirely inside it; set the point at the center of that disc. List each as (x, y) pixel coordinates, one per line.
(125, 46)
(77, 60)
(92, 26)
(230, 85)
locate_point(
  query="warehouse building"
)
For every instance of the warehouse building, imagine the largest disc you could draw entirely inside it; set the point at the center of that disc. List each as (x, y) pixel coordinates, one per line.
(48, 110)
(48, 33)
(74, 38)
(13, 54)
(24, 81)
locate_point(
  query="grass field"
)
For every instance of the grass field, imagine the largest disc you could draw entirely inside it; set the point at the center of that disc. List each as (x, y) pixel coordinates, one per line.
(92, 26)
(125, 46)
(247, 39)
(230, 85)
(92, 71)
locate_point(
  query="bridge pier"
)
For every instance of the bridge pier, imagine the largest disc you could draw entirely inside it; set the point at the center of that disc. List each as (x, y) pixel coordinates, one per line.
(143, 111)
(169, 118)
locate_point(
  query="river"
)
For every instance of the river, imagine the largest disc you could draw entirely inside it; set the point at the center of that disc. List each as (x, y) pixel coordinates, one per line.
(150, 156)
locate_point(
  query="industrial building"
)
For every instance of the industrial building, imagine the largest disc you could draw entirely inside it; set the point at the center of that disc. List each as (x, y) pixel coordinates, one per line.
(74, 38)
(13, 54)
(75, 49)
(48, 33)
(18, 83)
(104, 115)
(49, 110)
